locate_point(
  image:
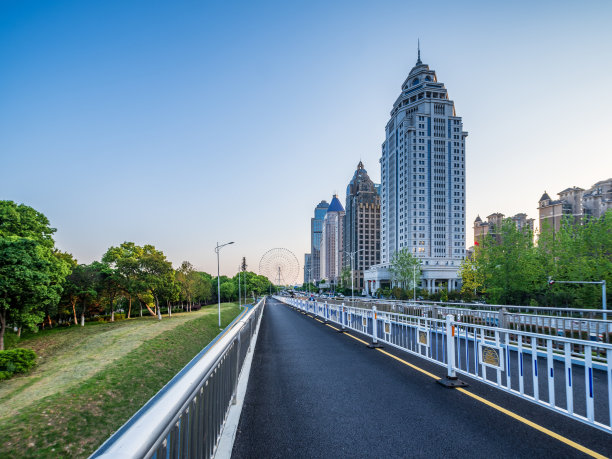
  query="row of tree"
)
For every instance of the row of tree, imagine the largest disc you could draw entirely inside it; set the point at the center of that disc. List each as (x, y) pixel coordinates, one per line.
(41, 286)
(513, 269)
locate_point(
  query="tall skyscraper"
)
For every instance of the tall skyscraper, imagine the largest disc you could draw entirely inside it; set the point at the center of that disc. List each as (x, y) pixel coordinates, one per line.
(331, 242)
(316, 228)
(423, 180)
(361, 225)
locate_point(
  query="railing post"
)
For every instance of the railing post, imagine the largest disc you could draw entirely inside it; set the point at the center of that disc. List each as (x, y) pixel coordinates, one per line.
(451, 375)
(375, 342)
(342, 319)
(503, 318)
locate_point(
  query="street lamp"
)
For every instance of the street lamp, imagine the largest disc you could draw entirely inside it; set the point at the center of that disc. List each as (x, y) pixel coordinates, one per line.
(217, 249)
(603, 290)
(239, 292)
(414, 282)
(352, 255)
(309, 269)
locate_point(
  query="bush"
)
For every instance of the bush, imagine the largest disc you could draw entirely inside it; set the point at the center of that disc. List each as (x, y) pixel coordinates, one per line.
(16, 361)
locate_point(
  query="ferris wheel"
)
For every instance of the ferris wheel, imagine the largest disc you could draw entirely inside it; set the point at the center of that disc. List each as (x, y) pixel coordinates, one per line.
(280, 266)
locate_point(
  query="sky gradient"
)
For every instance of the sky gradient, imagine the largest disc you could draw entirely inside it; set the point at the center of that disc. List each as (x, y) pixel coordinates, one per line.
(185, 123)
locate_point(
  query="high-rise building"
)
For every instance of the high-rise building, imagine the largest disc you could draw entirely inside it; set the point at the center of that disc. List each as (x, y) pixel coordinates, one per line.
(361, 225)
(575, 203)
(423, 181)
(316, 229)
(331, 242)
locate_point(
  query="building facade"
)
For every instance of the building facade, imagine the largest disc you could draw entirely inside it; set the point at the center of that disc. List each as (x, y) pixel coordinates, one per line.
(575, 203)
(423, 181)
(492, 226)
(361, 226)
(331, 242)
(316, 230)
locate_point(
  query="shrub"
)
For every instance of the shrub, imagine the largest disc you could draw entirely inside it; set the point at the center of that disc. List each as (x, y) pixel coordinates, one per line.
(16, 361)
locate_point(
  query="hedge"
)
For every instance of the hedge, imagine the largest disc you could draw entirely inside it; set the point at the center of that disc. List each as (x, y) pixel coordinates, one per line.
(16, 361)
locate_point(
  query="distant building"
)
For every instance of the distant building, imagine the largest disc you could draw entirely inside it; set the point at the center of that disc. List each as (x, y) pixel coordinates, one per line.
(523, 223)
(576, 204)
(423, 182)
(307, 268)
(492, 227)
(331, 242)
(316, 230)
(361, 225)
(597, 200)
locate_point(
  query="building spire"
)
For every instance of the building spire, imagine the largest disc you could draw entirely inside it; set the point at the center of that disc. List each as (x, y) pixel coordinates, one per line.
(419, 52)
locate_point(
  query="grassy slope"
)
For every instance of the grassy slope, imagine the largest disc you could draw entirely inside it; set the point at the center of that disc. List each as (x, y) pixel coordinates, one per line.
(69, 410)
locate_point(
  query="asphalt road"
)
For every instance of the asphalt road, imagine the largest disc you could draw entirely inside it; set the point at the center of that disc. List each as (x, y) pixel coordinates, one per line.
(314, 392)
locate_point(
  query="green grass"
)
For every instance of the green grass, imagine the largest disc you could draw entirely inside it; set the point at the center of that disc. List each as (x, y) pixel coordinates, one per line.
(92, 379)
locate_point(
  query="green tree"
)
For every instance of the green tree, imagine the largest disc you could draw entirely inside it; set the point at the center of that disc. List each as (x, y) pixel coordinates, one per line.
(125, 259)
(187, 279)
(203, 290)
(577, 252)
(472, 276)
(345, 277)
(228, 291)
(30, 274)
(86, 283)
(155, 274)
(405, 269)
(65, 263)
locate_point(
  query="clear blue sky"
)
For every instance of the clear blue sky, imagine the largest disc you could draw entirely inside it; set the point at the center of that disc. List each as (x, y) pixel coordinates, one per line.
(183, 123)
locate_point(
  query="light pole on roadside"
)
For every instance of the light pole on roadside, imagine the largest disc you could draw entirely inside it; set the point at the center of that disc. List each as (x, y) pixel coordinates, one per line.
(603, 290)
(309, 269)
(217, 249)
(414, 283)
(239, 293)
(352, 255)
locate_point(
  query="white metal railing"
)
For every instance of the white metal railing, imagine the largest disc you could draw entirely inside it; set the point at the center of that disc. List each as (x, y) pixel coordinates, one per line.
(186, 417)
(576, 323)
(570, 376)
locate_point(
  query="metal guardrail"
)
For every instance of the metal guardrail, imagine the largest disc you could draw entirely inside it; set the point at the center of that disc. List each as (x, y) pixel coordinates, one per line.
(186, 417)
(565, 322)
(567, 375)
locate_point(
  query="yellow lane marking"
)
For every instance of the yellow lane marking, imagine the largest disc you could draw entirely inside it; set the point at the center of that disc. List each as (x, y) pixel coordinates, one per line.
(356, 339)
(532, 424)
(331, 326)
(550, 433)
(431, 375)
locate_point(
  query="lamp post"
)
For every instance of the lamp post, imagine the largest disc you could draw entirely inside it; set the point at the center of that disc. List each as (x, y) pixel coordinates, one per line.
(217, 249)
(414, 283)
(603, 290)
(308, 269)
(352, 255)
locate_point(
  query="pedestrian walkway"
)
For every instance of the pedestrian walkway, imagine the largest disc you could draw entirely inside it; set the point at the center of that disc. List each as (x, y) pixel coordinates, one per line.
(314, 392)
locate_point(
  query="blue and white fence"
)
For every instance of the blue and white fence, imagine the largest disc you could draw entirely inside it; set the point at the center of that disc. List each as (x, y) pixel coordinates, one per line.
(579, 323)
(567, 375)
